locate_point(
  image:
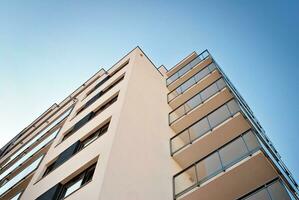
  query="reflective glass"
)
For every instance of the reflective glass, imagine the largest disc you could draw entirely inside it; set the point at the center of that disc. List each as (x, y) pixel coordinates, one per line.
(208, 167)
(199, 128)
(200, 75)
(187, 84)
(193, 102)
(185, 180)
(221, 84)
(212, 66)
(209, 91)
(17, 196)
(180, 141)
(75, 186)
(233, 107)
(29, 154)
(260, 195)
(180, 111)
(20, 176)
(251, 141)
(233, 152)
(219, 116)
(278, 192)
(42, 133)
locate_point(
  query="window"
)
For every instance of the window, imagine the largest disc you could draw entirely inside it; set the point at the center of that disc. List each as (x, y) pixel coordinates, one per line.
(61, 191)
(94, 136)
(89, 117)
(77, 182)
(107, 78)
(101, 93)
(76, 147)
(50, 168)
(122, 66)
(98, 85)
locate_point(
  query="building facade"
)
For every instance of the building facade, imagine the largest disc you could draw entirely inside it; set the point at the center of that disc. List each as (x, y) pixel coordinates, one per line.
(137, 132)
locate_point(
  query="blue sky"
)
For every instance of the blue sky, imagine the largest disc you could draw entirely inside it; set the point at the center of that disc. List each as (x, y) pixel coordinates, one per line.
(49, 48)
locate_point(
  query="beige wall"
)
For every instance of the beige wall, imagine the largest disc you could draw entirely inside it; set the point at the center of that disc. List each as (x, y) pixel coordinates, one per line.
(140, 166)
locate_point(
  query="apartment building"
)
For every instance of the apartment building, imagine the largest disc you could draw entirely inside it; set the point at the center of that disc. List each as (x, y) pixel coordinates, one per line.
(137, 132)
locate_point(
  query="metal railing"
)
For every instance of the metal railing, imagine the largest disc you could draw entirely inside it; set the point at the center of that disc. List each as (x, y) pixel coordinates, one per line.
(202, 56)
(214, 163)
(269, 148)
(203, 126)
(191, 81)
(196, 100)
(273, 190)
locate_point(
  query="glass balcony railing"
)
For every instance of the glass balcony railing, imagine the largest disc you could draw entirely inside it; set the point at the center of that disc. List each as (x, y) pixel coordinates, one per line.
(268, 146)
(196, 100)
(272, 191)
(23, 174)
(191, 81)
(215, 163)
(203, 126)
(38, 136)
(28, 155)
(204, 55)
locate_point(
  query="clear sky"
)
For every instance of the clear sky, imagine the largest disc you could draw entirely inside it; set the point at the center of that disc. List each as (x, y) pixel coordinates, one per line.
(49, 48)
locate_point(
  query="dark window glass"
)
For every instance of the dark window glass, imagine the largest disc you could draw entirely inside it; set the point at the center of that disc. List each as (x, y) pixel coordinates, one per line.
(76, 147)
(101, 93)
(49, 169)
(88, 117)
(77, 182)
(52, 193)
(66, 154)
(94, 136)
(99, 84)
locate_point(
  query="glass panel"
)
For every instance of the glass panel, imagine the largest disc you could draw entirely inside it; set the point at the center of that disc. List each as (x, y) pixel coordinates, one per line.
(20, 176)
(278, 192)
(208, 167)
(212, 66)
(221, 84)
(174, 94)
(233, 152)
(233, 107)
(172, 78)
(193, 102)
(73, 187)
(185, 69)
(42, 133)
(251, 141)
(89, 140)
(29, 154)
(209, 91)
(180, 141)
(199, 129)
(200, 75)
(185, 180)
(17, 196)
(219, 116)
(177, 113)
(260, 195)
(187, 84)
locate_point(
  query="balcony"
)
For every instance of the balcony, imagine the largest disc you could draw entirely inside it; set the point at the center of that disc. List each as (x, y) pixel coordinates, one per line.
(231, 166)
(199, 106)
(275, 190)
(191, 68)
(200, 140)
(191, 82)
